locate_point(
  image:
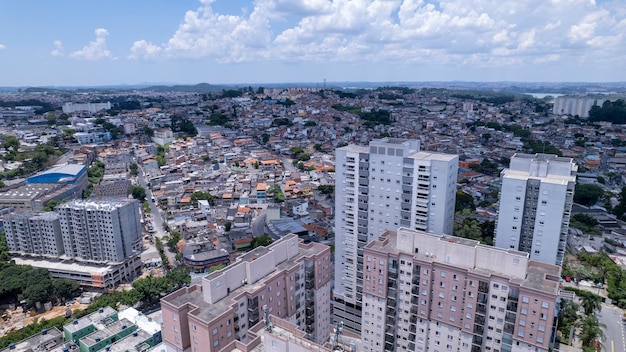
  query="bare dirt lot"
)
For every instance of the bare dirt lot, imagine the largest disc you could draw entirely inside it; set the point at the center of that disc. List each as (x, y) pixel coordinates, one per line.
(17, 318)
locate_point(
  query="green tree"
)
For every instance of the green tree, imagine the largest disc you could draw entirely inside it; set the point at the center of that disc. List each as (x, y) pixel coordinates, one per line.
(326, 189)
(591, 331)
(138, 192)
(64, 288)
(148, 131)
(464, 201)
(587, 194)
(227, 226)
(263, 240)
(178, 277)
(150, 288)
(133, 169)
(591, 303)
(37, 292)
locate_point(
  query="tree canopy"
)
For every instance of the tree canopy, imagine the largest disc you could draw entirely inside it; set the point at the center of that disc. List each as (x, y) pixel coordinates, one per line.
(587, 194)
(614, 112)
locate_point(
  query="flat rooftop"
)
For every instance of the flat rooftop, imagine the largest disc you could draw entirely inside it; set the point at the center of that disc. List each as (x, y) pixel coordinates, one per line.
(94, 318)
(208, 312)
(43, 341)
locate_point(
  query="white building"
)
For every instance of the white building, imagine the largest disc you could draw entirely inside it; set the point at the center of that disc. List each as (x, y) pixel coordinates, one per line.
(535, 204)
(92, 137)
(162, 136)
(106, 231)
(384, 186)
(70, 108)
(575, 106)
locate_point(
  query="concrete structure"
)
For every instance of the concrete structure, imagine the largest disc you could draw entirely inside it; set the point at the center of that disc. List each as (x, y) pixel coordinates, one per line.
(106, 330)
(382, 187)
(34, 233)
(162, 136)
(46, 340)
(535, 205)
(96, 276)
(425, 292)
(290, 278)
(94, 137)
(575, 106)
(102, 230)
(70, 108)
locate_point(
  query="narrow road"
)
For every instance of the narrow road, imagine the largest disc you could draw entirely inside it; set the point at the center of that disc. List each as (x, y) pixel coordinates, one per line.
(156, 213)
(611, 317)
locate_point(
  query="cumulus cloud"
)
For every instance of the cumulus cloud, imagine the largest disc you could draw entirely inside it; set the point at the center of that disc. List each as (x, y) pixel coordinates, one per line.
(478, 32)
(2, 47)
(58, 49)
(95, 50)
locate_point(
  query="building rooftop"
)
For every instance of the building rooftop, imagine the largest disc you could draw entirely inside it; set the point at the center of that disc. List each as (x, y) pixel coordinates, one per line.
(29, 191)
(105, 331)
(101, 316)
(208, 312)
(107, 204)
(44, 341)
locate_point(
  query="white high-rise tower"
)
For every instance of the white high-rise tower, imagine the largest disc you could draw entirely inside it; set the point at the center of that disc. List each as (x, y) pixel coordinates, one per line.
(535, 205)
(384, 186)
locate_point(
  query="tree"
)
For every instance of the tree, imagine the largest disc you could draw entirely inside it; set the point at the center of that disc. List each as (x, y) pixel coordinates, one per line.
(37, 292)
(150, 288)
(51, 118)
(326, 189)
(227, 226)
(178, 277)
(148, 131)
(591, 303)
(587, 194)
(133, 169)
(263, 240)
(64, 288)
(591, 331)
(138, 192)
(464, 201)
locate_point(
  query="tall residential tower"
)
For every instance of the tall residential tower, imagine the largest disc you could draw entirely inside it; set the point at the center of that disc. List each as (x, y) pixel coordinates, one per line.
(425, 292)
(535, 204)
(384, 186)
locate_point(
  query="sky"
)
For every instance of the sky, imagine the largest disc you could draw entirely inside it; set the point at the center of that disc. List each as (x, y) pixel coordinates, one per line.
(97, 42)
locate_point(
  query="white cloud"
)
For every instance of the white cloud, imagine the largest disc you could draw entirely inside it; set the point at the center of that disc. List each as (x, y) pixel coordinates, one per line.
(58, 49)
(477, 32)
(95, 50)
(2, 47)
(142, 49)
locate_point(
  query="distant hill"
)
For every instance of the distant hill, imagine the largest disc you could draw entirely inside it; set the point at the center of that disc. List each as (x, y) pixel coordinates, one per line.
(196, 88)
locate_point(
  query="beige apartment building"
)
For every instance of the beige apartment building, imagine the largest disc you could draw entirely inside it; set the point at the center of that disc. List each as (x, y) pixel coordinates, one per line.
(289, 277)
(425, 292)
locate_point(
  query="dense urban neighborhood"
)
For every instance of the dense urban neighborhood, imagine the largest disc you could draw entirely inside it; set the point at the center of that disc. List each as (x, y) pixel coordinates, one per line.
(200, 218)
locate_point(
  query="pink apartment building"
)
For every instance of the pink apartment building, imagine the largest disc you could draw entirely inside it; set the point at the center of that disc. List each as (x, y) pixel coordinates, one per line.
(425, 292)
(289, 277)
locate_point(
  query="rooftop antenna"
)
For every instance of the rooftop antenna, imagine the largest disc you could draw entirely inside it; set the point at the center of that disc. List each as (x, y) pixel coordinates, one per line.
(266, 318)
(338, 330)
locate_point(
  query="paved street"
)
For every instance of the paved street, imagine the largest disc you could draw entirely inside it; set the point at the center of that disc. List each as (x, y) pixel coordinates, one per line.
(156, 213)
(611, 317)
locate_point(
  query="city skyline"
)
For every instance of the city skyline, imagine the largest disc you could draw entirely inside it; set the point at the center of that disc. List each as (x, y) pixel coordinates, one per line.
(271, 41)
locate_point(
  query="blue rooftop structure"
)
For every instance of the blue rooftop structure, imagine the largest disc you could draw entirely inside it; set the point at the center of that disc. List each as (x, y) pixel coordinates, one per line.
(70, 174)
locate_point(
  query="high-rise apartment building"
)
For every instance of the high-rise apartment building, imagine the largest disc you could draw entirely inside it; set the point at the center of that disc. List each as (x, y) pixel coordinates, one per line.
(384, 186)
(34, 233)
(425, 292)
(289, 278)
(101, 231)
(535, 204)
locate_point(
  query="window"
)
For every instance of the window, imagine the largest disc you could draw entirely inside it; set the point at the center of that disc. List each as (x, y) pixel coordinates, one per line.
(216, 343)
(545, 304)
(443, 274)
(193, 327)
(195, 339)
(525, 299)
(215, 331)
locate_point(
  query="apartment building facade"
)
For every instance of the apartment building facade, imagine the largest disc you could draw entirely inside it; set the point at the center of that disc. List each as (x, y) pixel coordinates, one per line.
(34, 233)
(384, 186)
(425, 292)
(535, 206)
(291, 279)
(100, 231)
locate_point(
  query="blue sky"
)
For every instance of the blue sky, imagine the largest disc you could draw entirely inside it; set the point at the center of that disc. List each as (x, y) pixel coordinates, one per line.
(79, 42)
